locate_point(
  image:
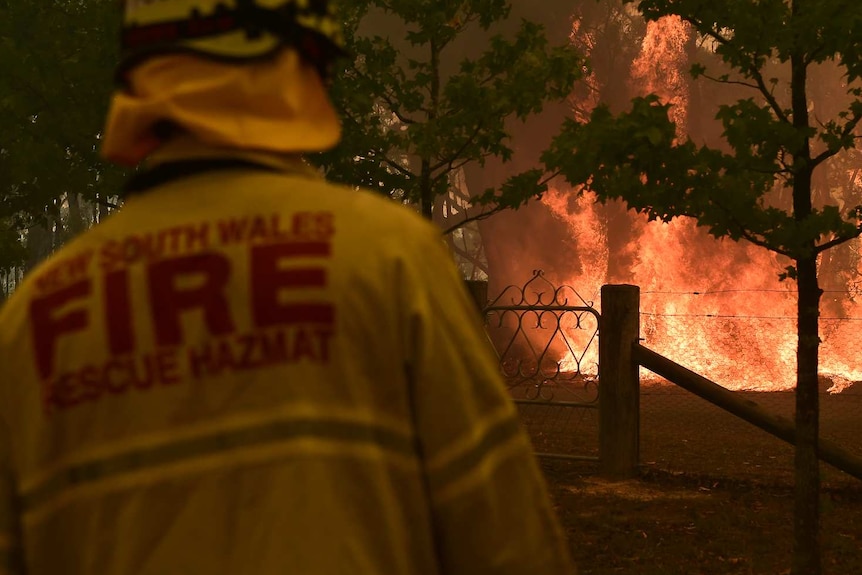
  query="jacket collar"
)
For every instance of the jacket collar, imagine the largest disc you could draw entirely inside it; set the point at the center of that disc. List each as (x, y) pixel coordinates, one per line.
(185, 157)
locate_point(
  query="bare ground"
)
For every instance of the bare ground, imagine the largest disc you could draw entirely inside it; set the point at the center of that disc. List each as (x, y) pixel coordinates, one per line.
(714, 494)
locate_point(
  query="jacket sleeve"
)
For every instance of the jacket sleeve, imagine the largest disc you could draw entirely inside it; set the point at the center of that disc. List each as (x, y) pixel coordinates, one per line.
(10, 542)
(490, 504)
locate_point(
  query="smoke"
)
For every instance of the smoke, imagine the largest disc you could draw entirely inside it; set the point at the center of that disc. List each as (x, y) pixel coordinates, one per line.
(715, 306)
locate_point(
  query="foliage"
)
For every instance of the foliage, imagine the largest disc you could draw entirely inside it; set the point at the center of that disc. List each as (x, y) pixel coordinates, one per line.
(636, 156)
(611, 35)
(773, 141)
(12, 252)
(413, 115)
(57, 62)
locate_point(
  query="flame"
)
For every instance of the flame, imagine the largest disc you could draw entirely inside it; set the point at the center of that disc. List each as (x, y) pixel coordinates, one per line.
(715, 306)
(659, 69)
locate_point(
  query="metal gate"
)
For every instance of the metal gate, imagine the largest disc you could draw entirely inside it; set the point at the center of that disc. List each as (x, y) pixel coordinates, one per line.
(546, 337)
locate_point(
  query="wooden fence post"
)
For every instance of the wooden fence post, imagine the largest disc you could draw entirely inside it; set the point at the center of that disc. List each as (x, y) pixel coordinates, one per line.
(619, 388)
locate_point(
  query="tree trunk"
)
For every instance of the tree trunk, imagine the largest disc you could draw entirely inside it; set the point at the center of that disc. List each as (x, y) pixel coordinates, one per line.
(77, 220)
(426, 191)
(39, 245)
(426, 184)
(806, 540)
(806, 518)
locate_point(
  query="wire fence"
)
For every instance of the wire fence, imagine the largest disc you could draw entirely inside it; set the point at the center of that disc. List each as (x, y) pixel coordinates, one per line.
(558, 429)
(682, 433)
(753, 343)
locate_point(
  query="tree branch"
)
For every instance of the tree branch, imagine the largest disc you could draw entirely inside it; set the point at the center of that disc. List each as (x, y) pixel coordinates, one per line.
(750, 236)
(845, 132)
(452, 168)
(837, 241)
(496, 209)
(106, 203)
(475, 218)
(385, 159)
(395, 109)
(395, 165)
(393, 105)
(750, 68)
(453, 157)
(735, 82)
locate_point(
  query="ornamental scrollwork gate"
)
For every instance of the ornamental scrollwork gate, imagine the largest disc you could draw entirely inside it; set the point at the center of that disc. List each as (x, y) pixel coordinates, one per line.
(546, 337)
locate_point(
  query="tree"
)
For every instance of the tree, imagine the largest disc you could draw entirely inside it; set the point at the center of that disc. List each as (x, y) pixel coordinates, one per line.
(757, 186)
(57, 62)
(414, 113)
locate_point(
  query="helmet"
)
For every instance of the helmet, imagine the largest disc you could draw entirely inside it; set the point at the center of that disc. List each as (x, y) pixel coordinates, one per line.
(232, 30)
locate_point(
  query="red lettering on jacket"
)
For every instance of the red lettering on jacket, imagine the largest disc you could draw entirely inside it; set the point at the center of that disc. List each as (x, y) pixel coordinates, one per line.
(232, 231)
(254, 229)
(197, 236)
(269, 280)
(116, 377)
(168, 299)
(301, 227)
(48, 327)
(64, 272)
(118, 313)
(152, 246)
(259, 349)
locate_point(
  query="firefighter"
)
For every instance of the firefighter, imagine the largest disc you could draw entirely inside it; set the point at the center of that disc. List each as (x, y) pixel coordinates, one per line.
(247, 370)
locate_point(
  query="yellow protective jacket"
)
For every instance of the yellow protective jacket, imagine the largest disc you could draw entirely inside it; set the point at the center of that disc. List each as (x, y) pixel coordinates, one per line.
(248, 370)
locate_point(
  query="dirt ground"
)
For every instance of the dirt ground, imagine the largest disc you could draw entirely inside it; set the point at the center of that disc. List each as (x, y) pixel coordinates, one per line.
(714, 496)
(668, 524)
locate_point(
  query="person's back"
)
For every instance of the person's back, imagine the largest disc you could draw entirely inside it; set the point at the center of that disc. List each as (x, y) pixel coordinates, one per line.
(249, 370)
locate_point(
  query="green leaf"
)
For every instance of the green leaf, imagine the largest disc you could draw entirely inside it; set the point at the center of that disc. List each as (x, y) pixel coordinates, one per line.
(789, 273)
(436, 110)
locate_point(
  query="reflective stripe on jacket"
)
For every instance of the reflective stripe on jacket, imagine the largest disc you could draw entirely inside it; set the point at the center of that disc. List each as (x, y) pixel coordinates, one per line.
(256, 372)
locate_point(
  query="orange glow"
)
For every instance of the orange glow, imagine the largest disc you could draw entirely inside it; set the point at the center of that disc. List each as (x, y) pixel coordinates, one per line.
(660, 67)
(715, 306)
